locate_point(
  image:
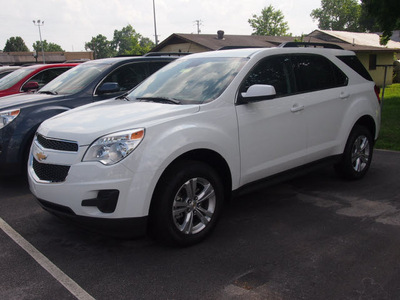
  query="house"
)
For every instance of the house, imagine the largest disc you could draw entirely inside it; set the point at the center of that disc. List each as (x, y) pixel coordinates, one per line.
(377, 58)
(181, 42)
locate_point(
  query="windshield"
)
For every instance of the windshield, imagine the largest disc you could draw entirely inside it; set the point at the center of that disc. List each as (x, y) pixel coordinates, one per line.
(190, 80)
(75, 79)
(8, 81)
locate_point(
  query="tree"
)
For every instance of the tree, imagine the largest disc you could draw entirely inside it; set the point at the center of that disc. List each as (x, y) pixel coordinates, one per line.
(368, 22)
(100, 46)
(15, 44)
(125, 42)
(146, 45)
(387, 14)
(338, 15)
(47, 47)
(128, 42)
(270, 22)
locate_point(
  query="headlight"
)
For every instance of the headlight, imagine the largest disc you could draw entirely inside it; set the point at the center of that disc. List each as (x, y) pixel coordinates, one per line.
(7, 116)
(114, 147)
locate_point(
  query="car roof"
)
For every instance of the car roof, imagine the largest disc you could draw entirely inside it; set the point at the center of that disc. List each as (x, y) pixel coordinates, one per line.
(47, 66)
(8, 68)
(249, 52)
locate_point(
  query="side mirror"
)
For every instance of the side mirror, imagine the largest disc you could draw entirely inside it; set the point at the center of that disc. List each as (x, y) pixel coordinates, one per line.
(30, 86)
(108, 88)
(258, 92)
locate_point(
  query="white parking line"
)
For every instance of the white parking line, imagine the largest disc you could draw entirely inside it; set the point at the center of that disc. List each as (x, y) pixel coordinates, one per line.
(42, 260)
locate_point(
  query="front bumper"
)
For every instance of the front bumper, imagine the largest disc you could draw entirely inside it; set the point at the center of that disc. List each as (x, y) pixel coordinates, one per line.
(121, 228)
(90, 189)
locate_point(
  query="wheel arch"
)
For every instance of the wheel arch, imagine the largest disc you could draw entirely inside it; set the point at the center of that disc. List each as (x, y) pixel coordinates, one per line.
(206, 156)
(367, 122)
(215, 161)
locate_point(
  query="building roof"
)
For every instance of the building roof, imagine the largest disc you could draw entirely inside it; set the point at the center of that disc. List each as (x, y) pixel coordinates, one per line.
(216, 42)
(354, 38)
(212, 42)
(22, 58)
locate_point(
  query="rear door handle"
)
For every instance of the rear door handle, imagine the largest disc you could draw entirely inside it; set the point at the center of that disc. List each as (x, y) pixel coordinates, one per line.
(296, 108)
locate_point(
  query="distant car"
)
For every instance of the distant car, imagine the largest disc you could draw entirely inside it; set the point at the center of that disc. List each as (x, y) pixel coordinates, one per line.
(21, 115)
(5, 70)
(31, 78)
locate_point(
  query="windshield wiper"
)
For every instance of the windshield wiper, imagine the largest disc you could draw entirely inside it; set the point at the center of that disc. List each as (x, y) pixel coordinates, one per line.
(48, 92)
(123, 97)
(159, 99)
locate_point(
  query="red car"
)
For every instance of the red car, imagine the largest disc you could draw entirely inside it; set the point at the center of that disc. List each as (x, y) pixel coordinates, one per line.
(31, 78)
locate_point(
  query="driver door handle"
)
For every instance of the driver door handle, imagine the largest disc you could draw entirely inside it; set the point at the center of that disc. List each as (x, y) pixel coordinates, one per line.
(296, 108)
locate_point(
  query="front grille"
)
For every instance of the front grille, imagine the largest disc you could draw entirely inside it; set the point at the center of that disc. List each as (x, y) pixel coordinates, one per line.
(49, 172)
(54, 144)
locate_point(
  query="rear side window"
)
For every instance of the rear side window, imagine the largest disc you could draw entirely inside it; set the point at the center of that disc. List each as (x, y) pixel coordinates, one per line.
(315, 72)
(354, 63)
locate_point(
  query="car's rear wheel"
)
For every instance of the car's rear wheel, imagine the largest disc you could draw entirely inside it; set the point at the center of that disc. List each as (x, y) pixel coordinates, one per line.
(357, 154)
(186, 204)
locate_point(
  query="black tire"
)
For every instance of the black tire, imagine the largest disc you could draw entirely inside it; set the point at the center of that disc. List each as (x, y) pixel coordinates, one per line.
(357, 155)
(186, 204)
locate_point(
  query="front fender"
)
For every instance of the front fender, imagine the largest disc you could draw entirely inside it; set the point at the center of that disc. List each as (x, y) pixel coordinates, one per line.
(163, 144)
(27, 125)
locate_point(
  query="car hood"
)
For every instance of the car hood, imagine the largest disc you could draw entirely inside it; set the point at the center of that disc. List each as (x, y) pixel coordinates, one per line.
(22, 100)
(87, 123)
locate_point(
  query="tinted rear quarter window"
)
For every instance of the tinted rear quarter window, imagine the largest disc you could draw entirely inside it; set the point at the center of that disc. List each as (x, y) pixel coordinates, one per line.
(353, 62)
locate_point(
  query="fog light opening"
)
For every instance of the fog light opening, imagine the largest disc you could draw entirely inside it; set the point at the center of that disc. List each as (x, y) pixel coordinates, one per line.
(106, 201)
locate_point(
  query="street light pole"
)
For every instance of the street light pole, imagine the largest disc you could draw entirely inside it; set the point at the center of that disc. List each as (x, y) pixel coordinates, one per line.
(155, 25)
(38, 24)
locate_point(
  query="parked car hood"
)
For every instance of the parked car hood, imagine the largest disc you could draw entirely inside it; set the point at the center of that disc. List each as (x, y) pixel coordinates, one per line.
(23, 100)
(89, 122)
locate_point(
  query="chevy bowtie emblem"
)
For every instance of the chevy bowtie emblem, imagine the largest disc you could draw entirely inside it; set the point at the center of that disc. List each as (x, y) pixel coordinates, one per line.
(40, 156)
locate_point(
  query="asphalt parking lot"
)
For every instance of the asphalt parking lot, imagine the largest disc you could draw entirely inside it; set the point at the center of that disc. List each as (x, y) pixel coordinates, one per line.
(314, 237)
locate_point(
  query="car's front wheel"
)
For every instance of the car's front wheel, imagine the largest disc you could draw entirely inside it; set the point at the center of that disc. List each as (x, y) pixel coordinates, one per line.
(357, 155)
(186, 204)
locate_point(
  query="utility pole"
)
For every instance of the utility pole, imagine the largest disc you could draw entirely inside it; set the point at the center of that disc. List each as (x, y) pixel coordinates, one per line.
(38, 24)
(198, 23)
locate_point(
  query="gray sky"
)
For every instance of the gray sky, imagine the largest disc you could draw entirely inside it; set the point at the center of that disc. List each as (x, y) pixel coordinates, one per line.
(71, 23)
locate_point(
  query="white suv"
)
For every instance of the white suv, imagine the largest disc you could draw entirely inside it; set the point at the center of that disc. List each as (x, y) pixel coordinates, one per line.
(167, 155)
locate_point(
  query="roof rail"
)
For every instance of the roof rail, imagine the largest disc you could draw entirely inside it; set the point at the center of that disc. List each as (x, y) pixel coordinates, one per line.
(167, 53)
(238, 47)
(310, 45)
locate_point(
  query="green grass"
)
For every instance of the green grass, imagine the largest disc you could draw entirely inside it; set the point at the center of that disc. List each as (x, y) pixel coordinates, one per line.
(389, 136)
